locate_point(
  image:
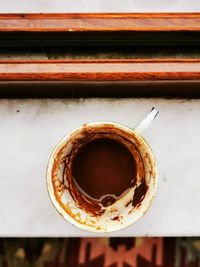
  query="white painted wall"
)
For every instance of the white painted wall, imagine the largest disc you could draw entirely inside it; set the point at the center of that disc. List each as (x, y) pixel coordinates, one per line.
(76, 6)
(28, 136)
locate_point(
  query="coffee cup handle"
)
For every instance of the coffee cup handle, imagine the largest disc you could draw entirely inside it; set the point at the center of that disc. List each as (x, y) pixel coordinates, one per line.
(146, 121)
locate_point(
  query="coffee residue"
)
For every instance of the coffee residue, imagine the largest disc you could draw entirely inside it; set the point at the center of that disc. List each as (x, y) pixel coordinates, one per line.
(116, 218)
(104, 169)
(101, 167)
(128, 203)
(139, 194)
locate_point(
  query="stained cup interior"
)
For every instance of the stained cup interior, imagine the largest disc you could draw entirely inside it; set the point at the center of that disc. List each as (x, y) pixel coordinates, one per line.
(117, 216)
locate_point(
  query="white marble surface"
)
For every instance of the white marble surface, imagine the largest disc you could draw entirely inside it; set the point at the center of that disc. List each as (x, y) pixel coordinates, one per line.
(28, 136)
(78, 6)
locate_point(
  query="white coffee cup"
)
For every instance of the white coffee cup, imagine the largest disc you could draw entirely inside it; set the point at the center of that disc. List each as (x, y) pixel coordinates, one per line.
(121, 213)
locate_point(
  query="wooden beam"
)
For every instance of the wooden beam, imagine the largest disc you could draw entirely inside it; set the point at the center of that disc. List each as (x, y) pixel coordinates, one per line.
(100, 71)
(151, 22)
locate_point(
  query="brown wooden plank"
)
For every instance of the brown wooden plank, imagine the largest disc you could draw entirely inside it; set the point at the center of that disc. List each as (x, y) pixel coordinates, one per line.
(100, 72)
(151, 22)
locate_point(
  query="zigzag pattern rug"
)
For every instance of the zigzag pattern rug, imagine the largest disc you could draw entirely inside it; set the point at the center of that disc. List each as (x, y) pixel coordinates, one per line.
(100, 252)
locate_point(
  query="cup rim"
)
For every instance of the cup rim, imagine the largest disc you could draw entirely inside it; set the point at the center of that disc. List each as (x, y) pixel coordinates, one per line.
(55, 203)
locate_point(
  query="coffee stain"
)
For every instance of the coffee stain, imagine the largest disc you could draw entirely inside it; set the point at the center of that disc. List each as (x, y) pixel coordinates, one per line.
(113, 210)
(140, 193)
(116, 218)
(128, 203)
(130, 211)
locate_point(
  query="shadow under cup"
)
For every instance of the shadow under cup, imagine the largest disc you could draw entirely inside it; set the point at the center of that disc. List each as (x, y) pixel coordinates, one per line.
(102, 177)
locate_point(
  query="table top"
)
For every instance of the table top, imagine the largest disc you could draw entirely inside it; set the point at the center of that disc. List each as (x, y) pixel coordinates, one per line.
(31, 128)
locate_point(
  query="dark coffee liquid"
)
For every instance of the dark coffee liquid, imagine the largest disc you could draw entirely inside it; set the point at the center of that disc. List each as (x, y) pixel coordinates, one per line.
(104, 169)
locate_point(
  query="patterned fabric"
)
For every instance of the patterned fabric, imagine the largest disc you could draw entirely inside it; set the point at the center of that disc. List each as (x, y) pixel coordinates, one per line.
(100, 252)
